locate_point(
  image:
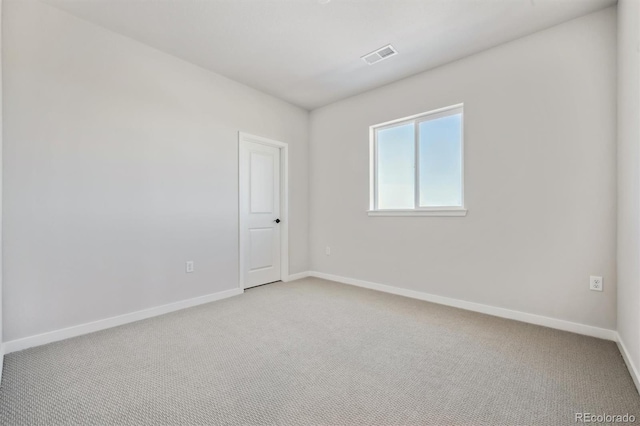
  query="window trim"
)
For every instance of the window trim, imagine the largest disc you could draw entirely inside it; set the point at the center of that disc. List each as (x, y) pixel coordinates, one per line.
(373, 176)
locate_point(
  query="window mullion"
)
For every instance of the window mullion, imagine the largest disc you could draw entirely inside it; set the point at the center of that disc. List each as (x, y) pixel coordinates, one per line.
(416, 167)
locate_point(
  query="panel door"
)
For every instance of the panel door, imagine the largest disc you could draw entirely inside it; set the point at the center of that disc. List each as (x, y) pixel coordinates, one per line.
(260, 210)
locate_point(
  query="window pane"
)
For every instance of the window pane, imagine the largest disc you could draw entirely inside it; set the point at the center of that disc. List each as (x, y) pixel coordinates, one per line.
(440, 162)
(396, 164)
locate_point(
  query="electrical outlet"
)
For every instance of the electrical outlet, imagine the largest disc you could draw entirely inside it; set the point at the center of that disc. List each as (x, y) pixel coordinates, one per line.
(189, 267)
(595, 283)
(327, 251)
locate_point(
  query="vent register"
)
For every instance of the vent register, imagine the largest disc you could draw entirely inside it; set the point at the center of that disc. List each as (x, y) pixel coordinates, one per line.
(380, 54)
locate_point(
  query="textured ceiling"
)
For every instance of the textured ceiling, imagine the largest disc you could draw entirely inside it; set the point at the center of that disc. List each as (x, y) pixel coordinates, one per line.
(308, 53)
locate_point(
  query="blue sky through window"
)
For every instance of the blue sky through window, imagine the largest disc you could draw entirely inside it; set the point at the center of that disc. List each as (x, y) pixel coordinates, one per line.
(396, 163)
(440, 162)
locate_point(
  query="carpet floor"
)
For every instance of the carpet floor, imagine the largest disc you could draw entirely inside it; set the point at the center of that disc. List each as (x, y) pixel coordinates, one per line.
(317, 352)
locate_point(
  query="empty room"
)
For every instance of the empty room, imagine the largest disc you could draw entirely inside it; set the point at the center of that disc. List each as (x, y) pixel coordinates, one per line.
(320, 212)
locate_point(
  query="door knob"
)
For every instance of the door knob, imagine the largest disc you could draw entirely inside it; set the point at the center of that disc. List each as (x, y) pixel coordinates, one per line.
(277, 221)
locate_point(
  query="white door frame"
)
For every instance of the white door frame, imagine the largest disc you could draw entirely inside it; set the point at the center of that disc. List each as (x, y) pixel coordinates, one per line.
(284, 204)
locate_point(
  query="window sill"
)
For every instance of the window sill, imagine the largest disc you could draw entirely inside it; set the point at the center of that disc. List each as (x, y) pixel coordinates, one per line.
(423, 212)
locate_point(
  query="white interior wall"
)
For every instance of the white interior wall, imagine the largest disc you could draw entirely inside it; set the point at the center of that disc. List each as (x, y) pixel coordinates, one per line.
(1, 197)
(629, 179)
(540, 151)
(120, 165)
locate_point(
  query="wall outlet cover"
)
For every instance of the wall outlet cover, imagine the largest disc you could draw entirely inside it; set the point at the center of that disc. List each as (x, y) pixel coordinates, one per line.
(595, 283)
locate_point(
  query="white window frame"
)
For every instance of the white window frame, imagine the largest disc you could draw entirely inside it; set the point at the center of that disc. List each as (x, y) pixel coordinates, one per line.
(373, 175)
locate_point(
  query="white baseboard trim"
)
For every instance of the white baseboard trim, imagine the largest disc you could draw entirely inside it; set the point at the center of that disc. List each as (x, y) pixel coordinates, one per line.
(1, 361)
(558, 324)
(627, 359)
(297, 276)
(90, 327)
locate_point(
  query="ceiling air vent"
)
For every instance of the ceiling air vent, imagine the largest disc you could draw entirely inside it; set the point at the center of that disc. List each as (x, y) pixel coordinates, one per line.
(379, 54)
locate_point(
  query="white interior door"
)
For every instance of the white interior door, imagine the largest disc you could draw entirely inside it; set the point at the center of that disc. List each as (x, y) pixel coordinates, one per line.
(260, 233)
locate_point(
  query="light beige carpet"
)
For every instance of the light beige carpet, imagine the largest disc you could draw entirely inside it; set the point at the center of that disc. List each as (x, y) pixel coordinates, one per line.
(317, 352)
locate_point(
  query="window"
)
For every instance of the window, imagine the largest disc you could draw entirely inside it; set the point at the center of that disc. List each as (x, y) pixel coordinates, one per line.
(417, 165)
